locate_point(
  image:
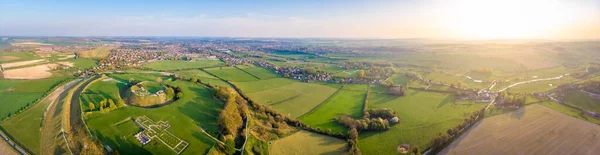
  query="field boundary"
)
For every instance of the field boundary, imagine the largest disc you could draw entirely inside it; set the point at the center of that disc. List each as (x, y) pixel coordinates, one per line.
(248, 73)
(320, 104)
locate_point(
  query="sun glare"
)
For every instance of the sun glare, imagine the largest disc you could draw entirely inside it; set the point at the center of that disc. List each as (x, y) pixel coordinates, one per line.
(482, 19)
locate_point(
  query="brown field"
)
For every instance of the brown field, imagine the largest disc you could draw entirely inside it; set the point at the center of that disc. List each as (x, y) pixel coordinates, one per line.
(35, 72)
(304, 142)
(6, 149)
(535, 129)
(21, 63)
(9, 58)
(70, 64)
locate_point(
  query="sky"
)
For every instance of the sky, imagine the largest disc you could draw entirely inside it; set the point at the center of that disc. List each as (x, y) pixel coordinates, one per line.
(435, 19)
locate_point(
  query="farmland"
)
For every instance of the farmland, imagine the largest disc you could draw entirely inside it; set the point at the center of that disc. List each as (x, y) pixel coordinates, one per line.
(534, 129)
(348, 101)
(16, 94)
(582, 100)
(304, 142)
(180, 64)
(196, 109)
(232, 74)
(423, 115)
(294, 99)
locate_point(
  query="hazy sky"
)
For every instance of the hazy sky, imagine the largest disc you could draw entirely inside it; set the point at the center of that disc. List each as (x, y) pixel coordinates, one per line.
(448, 19)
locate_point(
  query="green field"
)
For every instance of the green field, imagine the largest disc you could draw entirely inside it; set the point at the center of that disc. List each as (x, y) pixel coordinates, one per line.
(83, 63)
(196, 108)
(99, 90)
(16, 94)
(582, 100)
(180, 64)
(232, 74)
(293, 99)
(540, 86)
(423, 115)
(256, 86)
(304, 142)
(6, 57)
(347, 101)
(261, 73)
(204, 77)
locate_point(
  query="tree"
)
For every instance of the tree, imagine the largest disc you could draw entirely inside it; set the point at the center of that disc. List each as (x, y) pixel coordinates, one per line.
(229, 146)
(112, 105)
(310, 70)
(170, 93)
(361, 73)
(158, 79)
(194, 79)
(179, 95)
(101, 109)
(92, 107)
(229, 119)
(342, 81)
(353, 133)
(120, 103)
(133, 81)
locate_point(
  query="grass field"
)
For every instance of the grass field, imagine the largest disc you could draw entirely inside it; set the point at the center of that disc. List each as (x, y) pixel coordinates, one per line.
(540, 86)
(256, 86)
(99, 90)
(232, 74)
(204, 77)
(293, 99)
(534, 129)
(261, 73)
(16, 94)
(6, 57)
(582, 100)
(423, 115)
(347, 101)
(196, 108)
(83, 63)
(180, 64)
(304, 142)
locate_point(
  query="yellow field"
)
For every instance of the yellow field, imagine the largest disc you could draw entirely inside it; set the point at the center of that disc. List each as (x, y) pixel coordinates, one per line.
(99, 52)
(304, 142)
(535, 129)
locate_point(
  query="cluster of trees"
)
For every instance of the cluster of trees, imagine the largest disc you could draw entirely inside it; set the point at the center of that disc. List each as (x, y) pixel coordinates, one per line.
(353, 141)
(232, 116)
(373, 120)
(511, 100)
(385, 113)
(173, 92)
(107, 105)
(439, 141)
(397, 90)
(369, 124)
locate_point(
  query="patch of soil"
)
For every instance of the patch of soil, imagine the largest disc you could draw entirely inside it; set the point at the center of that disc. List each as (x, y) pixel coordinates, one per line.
(35, 72)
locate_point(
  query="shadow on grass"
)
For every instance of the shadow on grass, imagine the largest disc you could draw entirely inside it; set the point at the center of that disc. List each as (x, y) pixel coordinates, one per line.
(447, 100)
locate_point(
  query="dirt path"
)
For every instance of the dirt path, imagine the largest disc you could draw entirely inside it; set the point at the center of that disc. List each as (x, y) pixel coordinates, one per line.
(52, 141)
